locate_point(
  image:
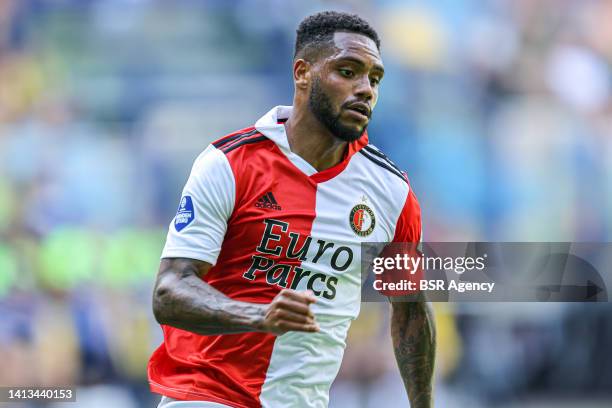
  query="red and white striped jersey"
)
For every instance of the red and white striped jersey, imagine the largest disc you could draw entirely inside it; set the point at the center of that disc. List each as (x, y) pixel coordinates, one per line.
(267, 220)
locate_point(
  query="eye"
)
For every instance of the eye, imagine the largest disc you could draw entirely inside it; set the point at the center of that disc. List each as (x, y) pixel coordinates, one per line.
(374, 81)
(347, 73)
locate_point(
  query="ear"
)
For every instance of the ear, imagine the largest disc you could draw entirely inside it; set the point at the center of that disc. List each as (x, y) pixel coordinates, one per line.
(302, 73)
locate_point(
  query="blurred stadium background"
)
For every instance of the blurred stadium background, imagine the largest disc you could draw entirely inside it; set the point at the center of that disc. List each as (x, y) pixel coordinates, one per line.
(499, 110)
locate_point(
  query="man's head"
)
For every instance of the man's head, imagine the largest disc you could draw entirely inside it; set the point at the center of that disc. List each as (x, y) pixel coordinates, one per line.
(336, 70)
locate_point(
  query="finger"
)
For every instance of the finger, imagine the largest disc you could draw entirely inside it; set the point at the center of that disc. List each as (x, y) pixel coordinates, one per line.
(296, 307)
(278, 314)
(292, 326)
(310, 297)
(305, 296)
(288, 315)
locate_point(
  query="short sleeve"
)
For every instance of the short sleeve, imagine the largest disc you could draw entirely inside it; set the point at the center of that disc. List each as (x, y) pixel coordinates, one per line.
(408, 226)
(206, 204)
(406, 241)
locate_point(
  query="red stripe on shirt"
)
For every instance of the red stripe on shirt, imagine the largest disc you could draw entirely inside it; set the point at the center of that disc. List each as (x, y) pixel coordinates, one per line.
(232, 368)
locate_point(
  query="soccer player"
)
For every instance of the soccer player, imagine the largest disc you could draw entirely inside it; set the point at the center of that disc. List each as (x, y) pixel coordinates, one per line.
(260, 275)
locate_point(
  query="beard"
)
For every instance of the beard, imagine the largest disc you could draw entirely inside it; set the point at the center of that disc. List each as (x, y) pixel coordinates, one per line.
(320, 105)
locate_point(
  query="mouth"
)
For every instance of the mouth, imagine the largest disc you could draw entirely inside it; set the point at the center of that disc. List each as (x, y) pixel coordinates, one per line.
(361, 109)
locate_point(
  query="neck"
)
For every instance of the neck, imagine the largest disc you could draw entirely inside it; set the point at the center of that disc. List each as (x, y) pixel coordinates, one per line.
(312, 141)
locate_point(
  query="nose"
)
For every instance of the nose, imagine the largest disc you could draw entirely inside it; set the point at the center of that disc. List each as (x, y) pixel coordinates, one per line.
(364, 89)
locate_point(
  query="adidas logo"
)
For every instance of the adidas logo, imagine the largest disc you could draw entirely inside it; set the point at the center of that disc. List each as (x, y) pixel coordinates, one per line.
(268, 201)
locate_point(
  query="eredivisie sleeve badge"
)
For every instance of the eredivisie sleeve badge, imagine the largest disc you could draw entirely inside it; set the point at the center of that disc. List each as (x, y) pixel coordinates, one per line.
(184, 214)
(362, 220)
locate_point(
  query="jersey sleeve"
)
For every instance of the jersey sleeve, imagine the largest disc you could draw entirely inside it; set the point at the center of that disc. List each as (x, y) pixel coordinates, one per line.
(406, 241)
(408, 226)
(206, 204)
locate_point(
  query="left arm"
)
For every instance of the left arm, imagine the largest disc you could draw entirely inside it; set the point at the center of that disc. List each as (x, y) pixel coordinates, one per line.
(414, 343)
(412, 322)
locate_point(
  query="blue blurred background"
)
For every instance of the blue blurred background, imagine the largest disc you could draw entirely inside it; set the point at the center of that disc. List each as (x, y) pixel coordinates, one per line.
(500, 111)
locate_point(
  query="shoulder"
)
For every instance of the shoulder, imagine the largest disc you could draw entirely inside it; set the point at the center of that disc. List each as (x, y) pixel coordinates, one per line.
(229, 156)
(220, 157)
(394, 186)
(382, 164)
(238, 139)
(384, 173)
(222, 152)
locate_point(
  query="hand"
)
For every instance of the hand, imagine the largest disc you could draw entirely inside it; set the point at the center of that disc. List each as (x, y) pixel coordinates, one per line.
(290, 311)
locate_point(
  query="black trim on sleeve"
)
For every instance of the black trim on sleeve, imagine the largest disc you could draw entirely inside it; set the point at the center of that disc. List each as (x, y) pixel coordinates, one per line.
(243, 142)
(220, 143)
(376, 152)
(384, 165)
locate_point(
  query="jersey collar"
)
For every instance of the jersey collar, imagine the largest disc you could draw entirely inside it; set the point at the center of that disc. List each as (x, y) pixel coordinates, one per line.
(271, 125)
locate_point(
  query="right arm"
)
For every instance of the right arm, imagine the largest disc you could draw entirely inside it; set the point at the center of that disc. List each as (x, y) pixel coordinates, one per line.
(182, 299)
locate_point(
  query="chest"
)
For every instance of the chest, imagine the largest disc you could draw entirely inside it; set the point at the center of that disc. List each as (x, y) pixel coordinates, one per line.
(278, 211)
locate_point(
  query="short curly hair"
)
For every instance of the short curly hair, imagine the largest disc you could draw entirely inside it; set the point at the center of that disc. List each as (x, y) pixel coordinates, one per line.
(317, 31)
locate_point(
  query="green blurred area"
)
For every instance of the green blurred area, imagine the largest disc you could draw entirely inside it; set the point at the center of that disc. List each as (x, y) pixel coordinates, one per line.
(69, 257)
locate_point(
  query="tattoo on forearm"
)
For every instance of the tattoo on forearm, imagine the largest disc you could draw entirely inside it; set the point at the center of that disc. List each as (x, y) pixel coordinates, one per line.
(194, 305)
(414, 343)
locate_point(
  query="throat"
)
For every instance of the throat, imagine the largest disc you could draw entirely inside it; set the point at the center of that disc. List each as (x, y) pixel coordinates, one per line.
(320, 149)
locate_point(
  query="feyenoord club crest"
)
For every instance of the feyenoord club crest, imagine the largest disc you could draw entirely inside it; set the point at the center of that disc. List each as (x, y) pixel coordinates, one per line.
(362, 220)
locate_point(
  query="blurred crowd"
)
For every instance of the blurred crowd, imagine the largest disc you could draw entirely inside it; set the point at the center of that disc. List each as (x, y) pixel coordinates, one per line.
(500, 111)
